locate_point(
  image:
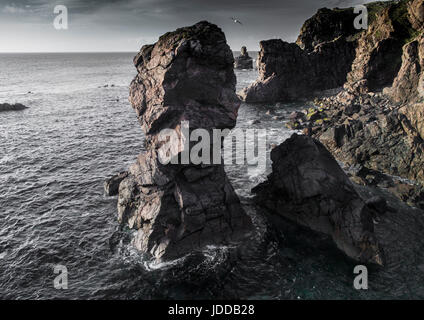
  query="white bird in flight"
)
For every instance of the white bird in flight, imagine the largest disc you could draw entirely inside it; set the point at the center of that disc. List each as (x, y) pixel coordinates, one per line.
(236, 20)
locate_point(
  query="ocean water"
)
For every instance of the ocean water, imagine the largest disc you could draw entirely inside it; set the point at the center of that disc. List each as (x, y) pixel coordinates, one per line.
(77, 131)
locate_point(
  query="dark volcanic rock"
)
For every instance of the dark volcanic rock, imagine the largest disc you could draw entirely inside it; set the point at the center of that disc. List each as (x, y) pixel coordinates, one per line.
(319, 61)
(12, 107)
(308, 187)
(177, 208)
(243, 61)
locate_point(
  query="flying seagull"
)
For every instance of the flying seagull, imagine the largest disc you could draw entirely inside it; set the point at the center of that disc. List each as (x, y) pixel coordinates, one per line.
(236, 20)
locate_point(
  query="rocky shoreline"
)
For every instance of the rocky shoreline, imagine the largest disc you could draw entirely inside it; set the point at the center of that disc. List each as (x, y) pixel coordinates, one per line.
(373, 125)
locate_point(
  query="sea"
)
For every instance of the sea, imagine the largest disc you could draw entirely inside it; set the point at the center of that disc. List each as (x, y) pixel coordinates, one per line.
(79, 130)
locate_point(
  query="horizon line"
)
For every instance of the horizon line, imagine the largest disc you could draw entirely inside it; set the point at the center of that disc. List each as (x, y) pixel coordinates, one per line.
(34, 52)
(11, 52)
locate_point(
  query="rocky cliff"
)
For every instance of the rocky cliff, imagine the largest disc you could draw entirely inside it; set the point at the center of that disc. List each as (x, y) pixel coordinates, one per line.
(382, 131)
(177, 208)
(378, 56)
(330, 52)
(320, 59)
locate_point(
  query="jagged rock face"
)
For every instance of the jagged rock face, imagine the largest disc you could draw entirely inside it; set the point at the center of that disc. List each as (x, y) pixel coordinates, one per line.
(175, 208)
(286, 72)
(374, 134)
(187, 74)
(379, 53)
(408, 86)
(244, 61)
(416, 14)
(308, 187)
(12, 107)
(326, 25)
(377, 56)
(320, 60)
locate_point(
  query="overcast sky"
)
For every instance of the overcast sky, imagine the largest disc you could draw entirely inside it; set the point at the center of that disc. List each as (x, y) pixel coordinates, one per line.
(125, 25)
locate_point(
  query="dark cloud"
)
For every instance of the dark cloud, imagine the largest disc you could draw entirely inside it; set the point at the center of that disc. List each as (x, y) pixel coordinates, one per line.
(129, 23)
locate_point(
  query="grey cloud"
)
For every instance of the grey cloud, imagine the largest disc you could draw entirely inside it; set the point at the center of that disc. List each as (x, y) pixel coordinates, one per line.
(147, 19)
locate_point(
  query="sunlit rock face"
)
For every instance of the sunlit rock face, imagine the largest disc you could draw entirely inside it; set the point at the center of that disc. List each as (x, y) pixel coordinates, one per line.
(187, 76)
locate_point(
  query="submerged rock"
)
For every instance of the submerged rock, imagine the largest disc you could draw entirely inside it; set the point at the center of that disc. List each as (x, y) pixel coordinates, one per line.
(12, 107)
(178, 208)
(307, 186)
(243, 61)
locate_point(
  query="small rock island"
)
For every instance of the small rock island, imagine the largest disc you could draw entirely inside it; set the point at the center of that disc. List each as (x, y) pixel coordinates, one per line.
(12, 107)
(243, 61)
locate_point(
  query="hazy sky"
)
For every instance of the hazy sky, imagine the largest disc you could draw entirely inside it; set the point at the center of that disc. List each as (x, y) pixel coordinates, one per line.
(125, 25)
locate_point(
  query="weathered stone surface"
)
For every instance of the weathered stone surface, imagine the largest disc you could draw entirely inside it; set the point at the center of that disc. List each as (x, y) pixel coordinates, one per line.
(243, 61)
(379, 52)
(308, 187)
(12, 107)
(111, 185)
(326, 25)
(319, 60)
(177, 208)
(378, 204)
(408, 86)
(368, 131)
(416, 14)
(378, 136)
(187, 72)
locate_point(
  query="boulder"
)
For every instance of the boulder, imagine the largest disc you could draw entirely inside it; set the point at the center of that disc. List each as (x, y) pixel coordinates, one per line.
(243, 61)
(177, 208)
(326, 25)
(307, 186)
(408, 86)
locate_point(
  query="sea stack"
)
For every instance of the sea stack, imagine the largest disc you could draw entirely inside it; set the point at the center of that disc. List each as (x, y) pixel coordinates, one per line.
(308, 187)
(186, 77)
(243, 61)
